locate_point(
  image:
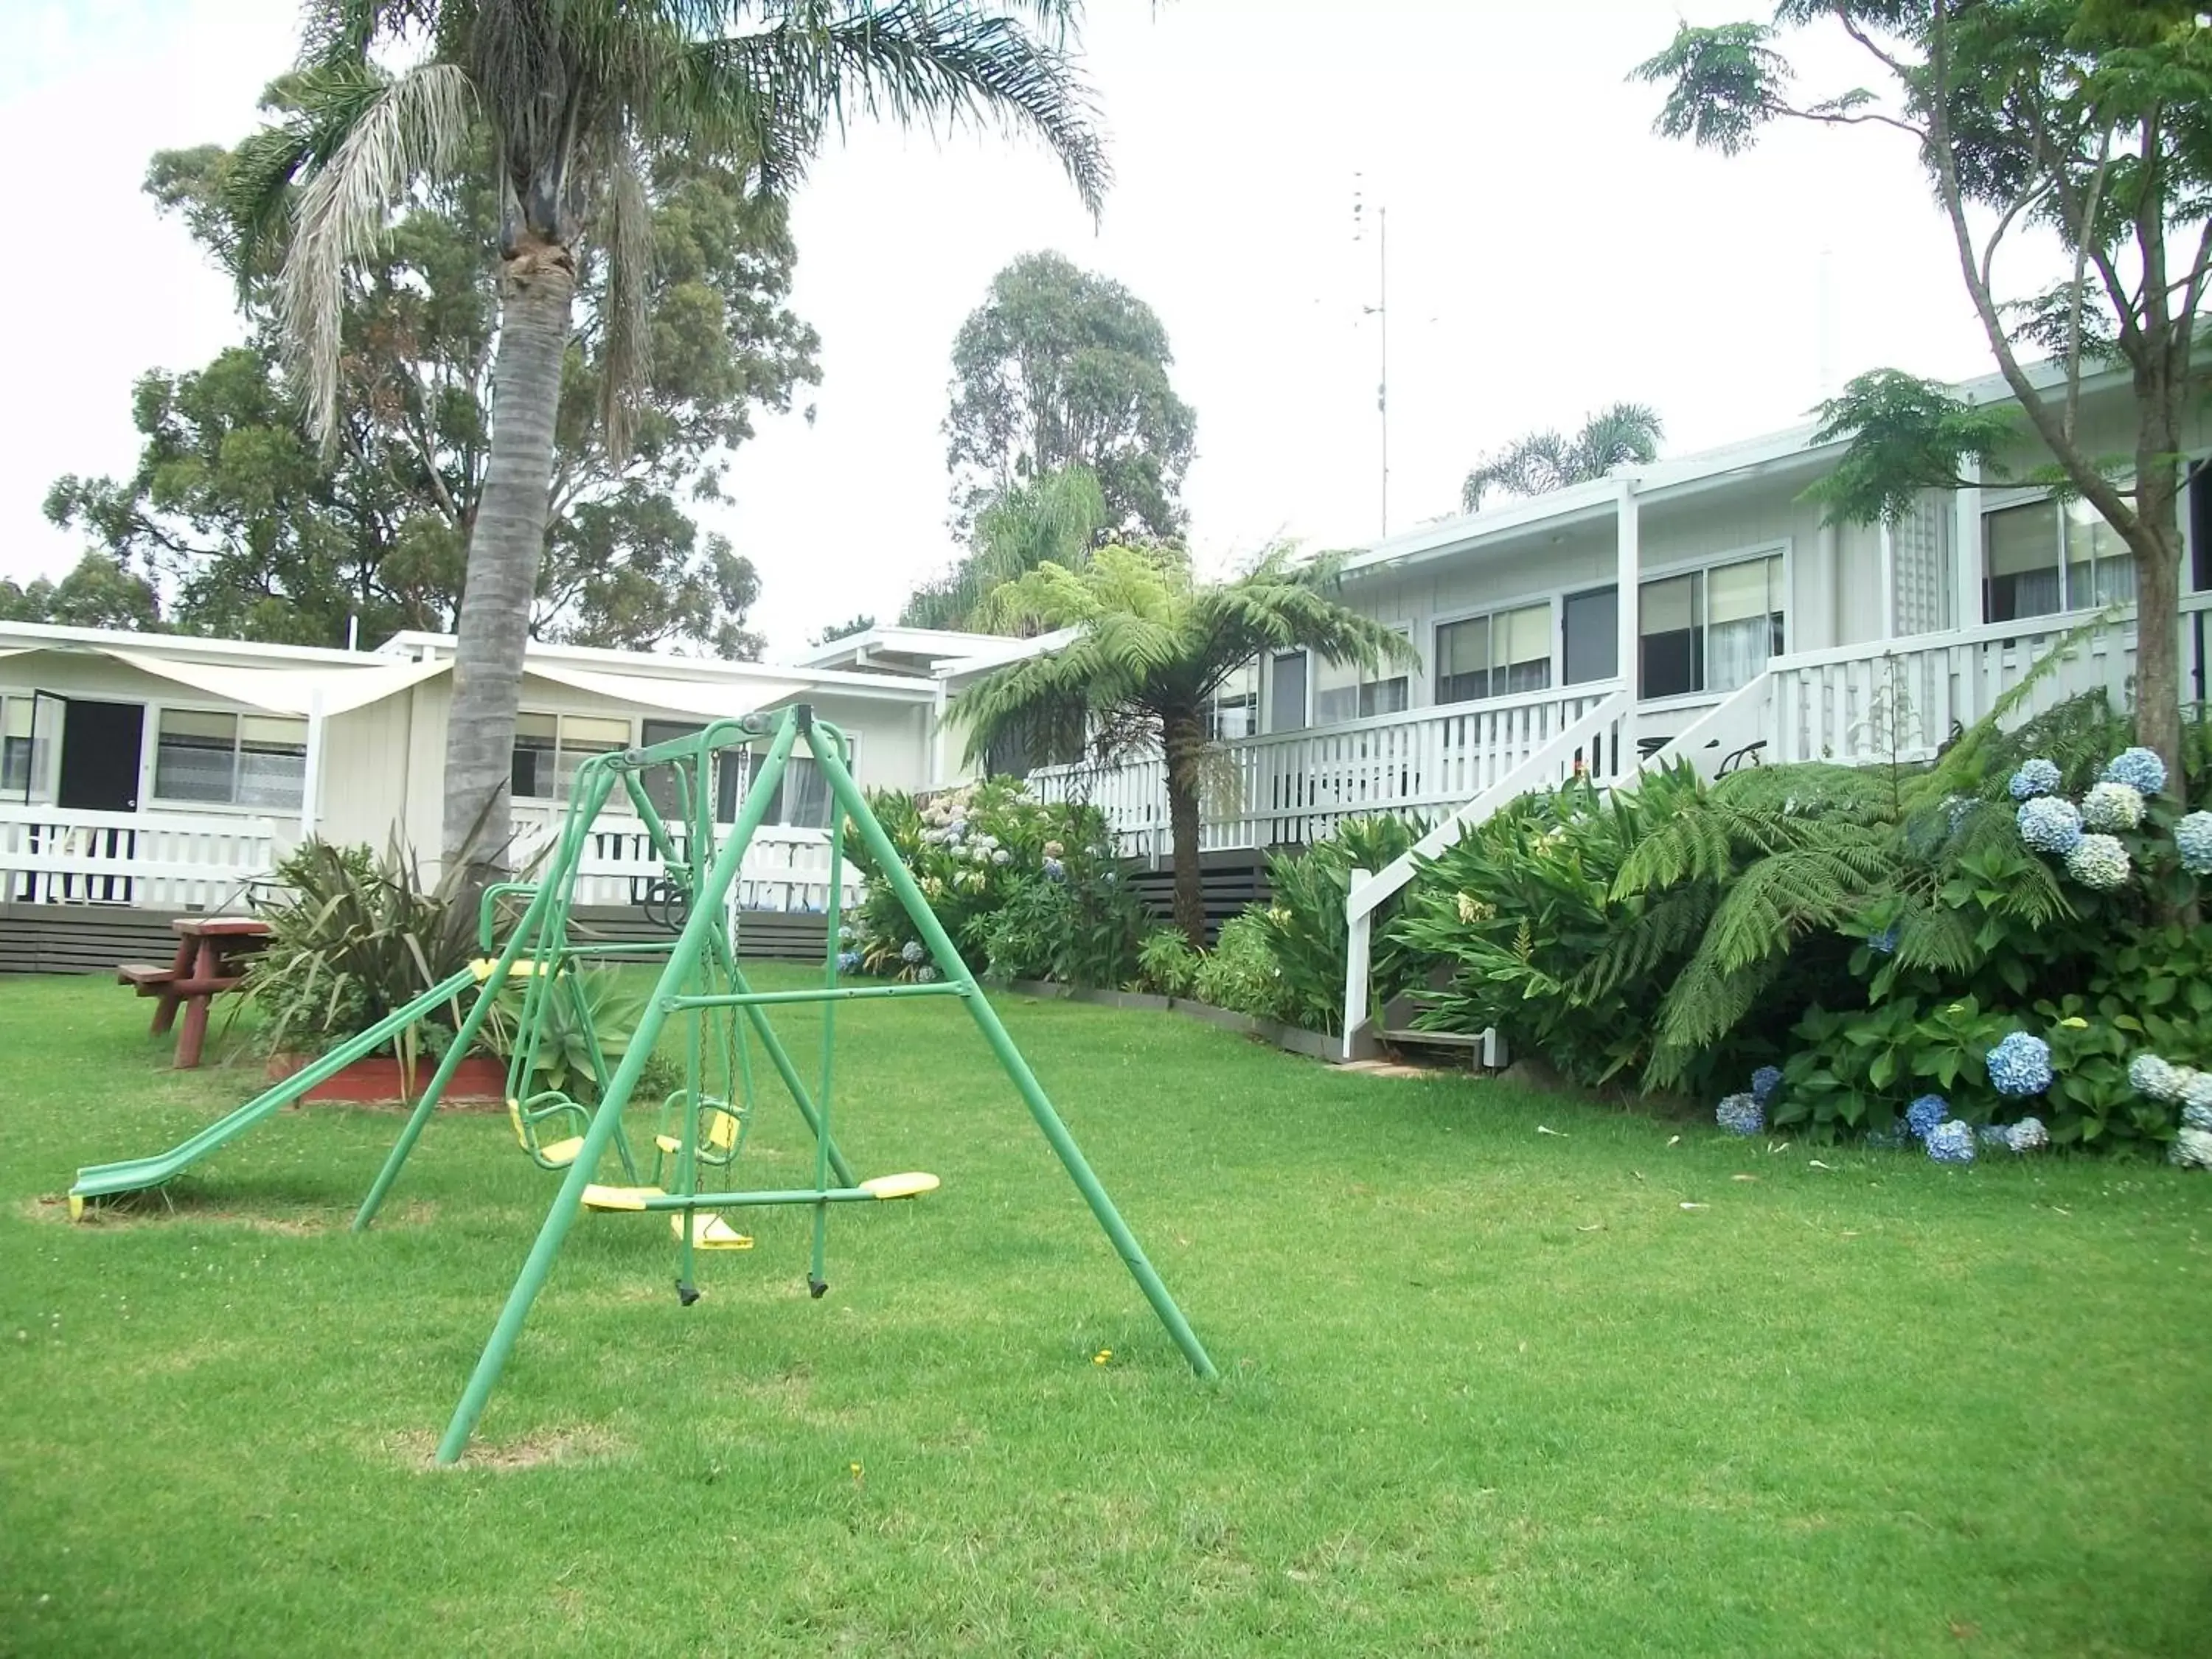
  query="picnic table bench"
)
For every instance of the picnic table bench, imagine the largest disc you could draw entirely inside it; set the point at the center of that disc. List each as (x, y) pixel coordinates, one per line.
(211, 959)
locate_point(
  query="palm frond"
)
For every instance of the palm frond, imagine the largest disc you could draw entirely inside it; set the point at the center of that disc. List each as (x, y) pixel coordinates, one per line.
(927, 62)
(417, 125)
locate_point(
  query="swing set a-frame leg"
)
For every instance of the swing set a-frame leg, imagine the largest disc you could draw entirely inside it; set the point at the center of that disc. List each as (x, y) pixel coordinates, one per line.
(829, 758)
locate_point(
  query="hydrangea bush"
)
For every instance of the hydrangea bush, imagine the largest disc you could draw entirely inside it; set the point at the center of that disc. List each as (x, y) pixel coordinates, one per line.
(1025, 888)
(1739, 1114)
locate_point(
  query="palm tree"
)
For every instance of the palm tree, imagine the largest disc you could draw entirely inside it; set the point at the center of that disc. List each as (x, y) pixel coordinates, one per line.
(1544, 461)
(567, 103)
(1055, 519)
(1155, 646)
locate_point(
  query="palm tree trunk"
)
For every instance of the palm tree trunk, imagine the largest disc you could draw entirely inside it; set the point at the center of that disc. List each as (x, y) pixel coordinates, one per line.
(506, 545)
(1183, 745)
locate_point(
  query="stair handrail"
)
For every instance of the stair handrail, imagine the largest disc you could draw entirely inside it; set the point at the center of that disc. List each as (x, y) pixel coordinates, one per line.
(1369, 890)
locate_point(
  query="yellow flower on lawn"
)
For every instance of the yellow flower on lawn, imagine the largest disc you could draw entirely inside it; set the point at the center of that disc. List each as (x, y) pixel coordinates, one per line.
(1102, 1356)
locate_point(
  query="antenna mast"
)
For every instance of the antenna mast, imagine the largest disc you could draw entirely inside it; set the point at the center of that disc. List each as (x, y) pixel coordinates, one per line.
(1380, 312)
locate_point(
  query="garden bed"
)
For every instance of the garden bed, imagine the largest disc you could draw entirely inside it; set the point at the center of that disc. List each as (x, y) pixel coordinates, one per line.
(377, 1080)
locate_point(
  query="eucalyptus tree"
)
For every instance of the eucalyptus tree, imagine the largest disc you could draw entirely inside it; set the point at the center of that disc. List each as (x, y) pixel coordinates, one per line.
(1540, 462)
(568, 105)
(2089, 119)
(1153, 646)
(1059, 367)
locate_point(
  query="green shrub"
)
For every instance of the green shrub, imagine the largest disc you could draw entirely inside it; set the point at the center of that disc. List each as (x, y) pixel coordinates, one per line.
(1027, 890)
(1240, 973)
(1304, 925)
(352, 938)
(1167, 965)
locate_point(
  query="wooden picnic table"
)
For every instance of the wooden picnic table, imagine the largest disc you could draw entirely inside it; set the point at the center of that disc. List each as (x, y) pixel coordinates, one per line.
(211, 959)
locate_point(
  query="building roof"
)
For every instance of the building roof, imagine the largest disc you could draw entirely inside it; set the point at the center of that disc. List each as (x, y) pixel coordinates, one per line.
(1792, 450)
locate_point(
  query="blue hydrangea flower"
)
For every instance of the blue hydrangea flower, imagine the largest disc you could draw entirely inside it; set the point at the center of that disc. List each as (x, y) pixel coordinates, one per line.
(1921, 1117)
(1994, 1135)
(2036, 777)
(847, 961)
(2020, 1065)
(1055, 870)
(2050, 824)
(2192, 838)
(1739, 1114)
(1951, 1143)
(2028, 1135)
(2149, 1075)
(2112, 807)
(924, 975)
(912, 951)
(1000, 855)
(2098, 862)
(2196, 1090)
(2141, 769)
(1885, 942)
(1885, 1141)
(1764, 1082)
(2192, 1149)
(2197, 1117)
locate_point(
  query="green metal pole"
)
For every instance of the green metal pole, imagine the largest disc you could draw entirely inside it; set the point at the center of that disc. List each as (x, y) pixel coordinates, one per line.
(818, 1282)
(830, 758)
(779, 1057)
(472, 1024)
(566, 1203)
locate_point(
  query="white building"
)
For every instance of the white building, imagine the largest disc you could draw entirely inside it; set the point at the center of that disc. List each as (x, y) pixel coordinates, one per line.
(161, 773)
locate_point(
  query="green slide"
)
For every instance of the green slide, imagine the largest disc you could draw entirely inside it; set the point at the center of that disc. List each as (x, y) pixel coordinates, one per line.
(133, 1174)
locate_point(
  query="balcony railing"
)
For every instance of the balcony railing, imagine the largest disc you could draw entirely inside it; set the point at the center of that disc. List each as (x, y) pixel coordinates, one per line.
(1297, 786)
(1864, 703)
(784, 869)
(155, 860)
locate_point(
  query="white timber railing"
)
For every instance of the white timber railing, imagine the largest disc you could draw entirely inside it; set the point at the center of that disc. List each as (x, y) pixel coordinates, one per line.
(1591, 747)
(1297, 786)
(153, 860)
(1858, 704)
(784, 869)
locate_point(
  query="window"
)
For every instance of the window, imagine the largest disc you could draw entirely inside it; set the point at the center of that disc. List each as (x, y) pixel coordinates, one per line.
(1343, 692)
(1287, 692)
(1495, 655)
(801, 800)
(1709, 630)
(729, 772)
(230, 760)
(1590, 635)
(2038, 560)
(2023, 576)
(2101, 567)
(548, 748)
(1233, 711)
(26, 744)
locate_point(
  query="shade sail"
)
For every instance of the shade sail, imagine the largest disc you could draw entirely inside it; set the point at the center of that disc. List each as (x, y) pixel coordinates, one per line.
(287, 690)
(726, 700)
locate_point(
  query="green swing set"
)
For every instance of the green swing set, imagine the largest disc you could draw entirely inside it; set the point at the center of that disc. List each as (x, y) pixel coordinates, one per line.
(702, 1129)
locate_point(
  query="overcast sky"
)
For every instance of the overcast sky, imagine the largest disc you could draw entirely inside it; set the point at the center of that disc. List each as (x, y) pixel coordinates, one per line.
(1547, 255)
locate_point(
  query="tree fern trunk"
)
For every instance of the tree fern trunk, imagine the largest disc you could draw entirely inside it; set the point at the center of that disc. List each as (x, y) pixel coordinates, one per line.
(1184, 746)
(506, 543)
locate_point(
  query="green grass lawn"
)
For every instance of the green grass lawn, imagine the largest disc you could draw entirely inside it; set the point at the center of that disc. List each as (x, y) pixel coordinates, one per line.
(1484, 1389)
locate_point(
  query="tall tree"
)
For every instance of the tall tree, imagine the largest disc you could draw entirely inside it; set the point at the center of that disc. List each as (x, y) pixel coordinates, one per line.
(2091, 120)
(1052, 520)
(98, 593)
(582, 99)
(1543, 461)
(1155, 645)
(1058, 368)
(251, 532)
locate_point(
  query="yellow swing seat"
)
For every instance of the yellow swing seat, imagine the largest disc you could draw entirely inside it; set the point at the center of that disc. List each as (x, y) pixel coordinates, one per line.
(912, 1184)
